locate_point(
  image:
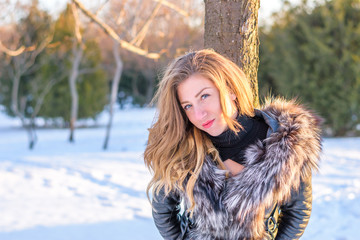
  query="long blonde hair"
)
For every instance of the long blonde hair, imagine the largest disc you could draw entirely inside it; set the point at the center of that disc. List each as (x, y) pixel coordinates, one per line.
(176, 149)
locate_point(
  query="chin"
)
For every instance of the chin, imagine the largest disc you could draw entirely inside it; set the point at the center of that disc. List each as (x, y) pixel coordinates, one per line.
(214, 133)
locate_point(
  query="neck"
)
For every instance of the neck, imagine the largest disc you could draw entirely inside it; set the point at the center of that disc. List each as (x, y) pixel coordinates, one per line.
(231, 145)
(231, 137)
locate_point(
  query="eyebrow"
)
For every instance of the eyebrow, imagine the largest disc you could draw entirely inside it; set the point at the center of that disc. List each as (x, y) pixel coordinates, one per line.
(197, 94)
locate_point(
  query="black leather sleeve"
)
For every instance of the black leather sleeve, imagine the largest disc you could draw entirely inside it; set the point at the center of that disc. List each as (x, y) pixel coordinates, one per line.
(166, 216)
(295, 214)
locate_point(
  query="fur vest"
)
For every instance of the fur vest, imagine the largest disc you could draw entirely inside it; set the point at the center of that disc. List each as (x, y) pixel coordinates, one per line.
(234, 207)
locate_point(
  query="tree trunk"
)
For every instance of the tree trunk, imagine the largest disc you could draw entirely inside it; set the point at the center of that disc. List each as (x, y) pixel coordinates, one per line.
(30, 129)
(14, 94)
(78, 52)
(114, 91)
(150, 89)
(134, 87)
(231, 29)
(31, 133)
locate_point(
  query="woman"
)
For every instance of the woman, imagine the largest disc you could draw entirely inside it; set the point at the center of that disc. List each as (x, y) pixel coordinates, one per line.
(239, 172)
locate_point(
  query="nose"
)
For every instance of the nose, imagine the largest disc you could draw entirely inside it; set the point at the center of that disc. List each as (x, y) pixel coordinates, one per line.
(200, 113)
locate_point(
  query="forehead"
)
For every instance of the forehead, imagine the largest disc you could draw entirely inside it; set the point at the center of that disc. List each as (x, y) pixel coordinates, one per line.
(193, 85)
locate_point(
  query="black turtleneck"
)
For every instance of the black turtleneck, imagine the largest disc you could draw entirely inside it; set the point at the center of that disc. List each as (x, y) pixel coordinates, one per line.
(232, 146)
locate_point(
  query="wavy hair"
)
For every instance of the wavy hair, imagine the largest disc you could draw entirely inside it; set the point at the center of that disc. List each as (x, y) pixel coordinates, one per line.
(176, 149)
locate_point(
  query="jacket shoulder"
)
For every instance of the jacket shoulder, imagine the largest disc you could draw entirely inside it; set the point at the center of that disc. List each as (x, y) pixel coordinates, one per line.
(290, 111)
(297, 127)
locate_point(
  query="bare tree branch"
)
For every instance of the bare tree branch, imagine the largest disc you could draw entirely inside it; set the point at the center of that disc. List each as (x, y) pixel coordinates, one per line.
(142, 33)
(22, 64)
(112, 33)
(37, 51)
(22, 49)
(173, 6)
(77, 24)
(14, 53)
(121, 13)
(101, 7)
(46, 90)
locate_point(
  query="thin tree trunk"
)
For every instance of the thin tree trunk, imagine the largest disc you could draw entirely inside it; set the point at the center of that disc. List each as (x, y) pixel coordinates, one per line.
(231, 29)
(14, 94)
(150, 89)
(134, 87)
(31, 133)
(78, 52)
(114, 91)
(21, 114)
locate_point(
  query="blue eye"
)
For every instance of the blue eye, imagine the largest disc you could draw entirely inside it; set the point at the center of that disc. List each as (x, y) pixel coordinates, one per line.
(186, 107)
(204, 96)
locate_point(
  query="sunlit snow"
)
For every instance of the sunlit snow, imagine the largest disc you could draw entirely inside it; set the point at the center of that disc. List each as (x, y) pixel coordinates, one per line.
(77, 191)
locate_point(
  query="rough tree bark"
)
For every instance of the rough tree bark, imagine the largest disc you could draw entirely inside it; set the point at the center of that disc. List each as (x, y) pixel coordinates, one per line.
(231, 29)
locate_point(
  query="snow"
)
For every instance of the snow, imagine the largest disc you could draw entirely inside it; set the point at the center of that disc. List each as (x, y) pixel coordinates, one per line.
(76, 191)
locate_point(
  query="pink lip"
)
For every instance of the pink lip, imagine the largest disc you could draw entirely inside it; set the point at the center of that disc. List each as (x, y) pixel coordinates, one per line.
(208, 123)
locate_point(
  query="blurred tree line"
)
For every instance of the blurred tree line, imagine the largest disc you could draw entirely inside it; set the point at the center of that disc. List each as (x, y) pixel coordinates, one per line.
(313, 53)
(42, 58)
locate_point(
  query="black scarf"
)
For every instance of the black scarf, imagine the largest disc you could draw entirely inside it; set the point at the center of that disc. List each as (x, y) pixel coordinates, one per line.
(232, 146)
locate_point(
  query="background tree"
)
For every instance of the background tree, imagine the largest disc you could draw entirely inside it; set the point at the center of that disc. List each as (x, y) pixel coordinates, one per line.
(231, 29)
(178, 35)
(313, 53)
(20, 86)
(76, 57)
(123, 8)
(90, 82)
(130, 23)
(121, 17)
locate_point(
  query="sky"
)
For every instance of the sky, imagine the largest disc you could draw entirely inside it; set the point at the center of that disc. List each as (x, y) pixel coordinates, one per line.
(54, 7)
(266, 6)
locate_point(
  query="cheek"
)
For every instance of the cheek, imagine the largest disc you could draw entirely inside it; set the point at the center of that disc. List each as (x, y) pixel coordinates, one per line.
(191, 118)
(217, 107)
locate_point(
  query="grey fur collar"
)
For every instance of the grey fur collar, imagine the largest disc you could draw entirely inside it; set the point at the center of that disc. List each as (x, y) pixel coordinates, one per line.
(234, 208)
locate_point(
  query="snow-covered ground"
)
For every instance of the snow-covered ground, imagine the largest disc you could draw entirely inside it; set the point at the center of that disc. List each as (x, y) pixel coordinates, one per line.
(80, 192)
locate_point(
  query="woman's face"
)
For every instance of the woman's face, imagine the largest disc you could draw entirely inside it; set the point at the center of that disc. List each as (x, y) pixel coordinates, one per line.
(200, 99)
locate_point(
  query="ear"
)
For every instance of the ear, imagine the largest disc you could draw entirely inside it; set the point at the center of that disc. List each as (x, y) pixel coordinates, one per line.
(233, 96)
